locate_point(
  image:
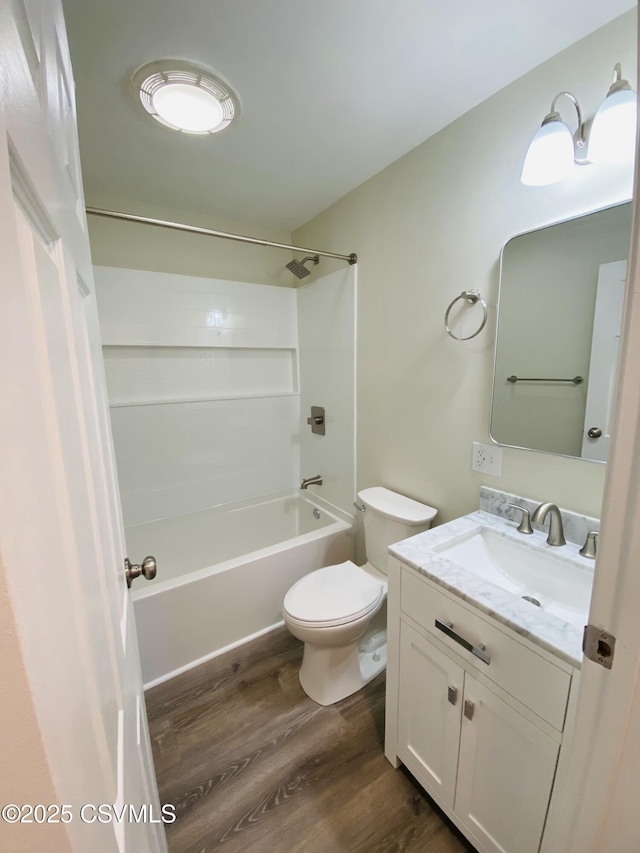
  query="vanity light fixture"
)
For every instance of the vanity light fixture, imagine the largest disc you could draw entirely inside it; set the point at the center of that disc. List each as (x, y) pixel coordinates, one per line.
(184, 97)
(554, 150)
(613, 132)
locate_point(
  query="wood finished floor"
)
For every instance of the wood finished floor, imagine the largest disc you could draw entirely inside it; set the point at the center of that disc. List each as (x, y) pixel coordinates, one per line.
(252, 764)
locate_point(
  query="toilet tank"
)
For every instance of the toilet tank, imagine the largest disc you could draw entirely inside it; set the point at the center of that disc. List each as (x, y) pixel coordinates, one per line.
(388, 518)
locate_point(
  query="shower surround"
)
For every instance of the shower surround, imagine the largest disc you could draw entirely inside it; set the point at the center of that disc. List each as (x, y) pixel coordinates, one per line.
(210, 383)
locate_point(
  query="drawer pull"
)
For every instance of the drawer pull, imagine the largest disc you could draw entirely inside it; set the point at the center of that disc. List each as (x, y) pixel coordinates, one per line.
(469, 708)
(478, 651)
(452, 694)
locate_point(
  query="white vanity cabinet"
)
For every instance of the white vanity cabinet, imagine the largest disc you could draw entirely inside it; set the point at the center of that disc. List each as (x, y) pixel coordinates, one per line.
(481, 734)
(430, 713)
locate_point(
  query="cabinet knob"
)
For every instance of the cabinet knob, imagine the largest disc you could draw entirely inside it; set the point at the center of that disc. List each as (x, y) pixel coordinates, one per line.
(469, 709)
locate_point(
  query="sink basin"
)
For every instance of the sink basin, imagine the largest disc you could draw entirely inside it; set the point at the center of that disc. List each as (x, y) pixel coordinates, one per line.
(559, 585)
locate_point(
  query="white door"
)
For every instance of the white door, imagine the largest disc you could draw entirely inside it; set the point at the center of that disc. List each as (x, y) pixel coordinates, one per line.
(505, 773)
(429, 709)
(61, 536)
(605, 343)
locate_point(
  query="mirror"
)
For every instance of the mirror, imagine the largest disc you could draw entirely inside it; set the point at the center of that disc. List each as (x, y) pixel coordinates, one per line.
(559, 314)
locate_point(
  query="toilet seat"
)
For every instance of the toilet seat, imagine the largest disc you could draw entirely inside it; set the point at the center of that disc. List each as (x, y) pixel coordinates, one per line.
(334, 595)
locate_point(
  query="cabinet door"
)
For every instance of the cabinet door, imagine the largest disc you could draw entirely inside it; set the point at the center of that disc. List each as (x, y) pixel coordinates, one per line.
(430, 701)
(505, 773)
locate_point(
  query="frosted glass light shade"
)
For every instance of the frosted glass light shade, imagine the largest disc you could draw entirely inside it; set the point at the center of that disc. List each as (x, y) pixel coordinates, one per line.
(184, 96)
(549, 156)
(188, 107)
(613, 133)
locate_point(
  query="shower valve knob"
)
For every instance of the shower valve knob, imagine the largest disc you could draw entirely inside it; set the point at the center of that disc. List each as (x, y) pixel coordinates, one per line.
(316, 421)
(148, 569)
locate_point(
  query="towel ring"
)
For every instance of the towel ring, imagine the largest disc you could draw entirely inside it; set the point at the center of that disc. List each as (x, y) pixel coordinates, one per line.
(472, 296)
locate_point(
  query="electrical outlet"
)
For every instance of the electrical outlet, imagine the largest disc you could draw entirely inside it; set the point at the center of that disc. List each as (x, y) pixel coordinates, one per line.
(487, 459)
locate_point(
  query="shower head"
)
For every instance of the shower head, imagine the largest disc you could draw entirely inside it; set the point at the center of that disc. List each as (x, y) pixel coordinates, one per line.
(298, 267)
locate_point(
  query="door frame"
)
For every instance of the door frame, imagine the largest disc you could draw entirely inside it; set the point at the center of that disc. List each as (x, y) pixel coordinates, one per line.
(603, 781)
(64, 701)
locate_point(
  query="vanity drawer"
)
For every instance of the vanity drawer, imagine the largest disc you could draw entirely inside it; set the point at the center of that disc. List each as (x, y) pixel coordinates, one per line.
(525, 675)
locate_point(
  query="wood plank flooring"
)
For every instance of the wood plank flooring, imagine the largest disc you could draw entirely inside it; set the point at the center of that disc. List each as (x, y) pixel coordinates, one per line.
(252, 764)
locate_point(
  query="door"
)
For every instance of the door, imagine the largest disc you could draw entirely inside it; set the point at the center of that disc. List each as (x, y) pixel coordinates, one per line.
(605, 343)
(61, 536)
(505, 773)
(429, 702)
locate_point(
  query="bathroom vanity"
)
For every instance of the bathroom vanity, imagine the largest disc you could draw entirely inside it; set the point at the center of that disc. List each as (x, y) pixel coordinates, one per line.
(481, 683)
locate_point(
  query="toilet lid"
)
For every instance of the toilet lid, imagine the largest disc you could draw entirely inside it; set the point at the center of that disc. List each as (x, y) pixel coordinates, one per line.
(333, 595)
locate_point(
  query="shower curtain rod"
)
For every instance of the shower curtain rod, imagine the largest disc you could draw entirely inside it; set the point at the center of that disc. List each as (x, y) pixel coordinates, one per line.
(208, 232)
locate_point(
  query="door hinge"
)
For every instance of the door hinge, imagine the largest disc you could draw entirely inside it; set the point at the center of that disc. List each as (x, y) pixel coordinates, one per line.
(598, 645)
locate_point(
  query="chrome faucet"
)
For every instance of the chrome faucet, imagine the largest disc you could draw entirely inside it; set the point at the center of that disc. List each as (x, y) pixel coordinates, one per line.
(311, 481)
(556, 533)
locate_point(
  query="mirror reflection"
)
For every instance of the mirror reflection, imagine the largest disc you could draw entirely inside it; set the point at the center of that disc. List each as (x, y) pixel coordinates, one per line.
(559, 316)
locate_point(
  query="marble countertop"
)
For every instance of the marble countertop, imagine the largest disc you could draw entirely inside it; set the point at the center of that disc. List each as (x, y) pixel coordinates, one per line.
(545, 629)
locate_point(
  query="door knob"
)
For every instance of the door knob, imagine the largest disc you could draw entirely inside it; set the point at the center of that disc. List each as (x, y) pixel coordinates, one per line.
(148, 568)
(594, 432)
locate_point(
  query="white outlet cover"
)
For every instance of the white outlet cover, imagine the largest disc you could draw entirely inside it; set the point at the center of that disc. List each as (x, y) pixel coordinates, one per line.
(487, 459)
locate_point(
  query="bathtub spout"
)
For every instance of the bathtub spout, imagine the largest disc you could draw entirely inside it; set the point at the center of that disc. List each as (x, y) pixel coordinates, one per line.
(311, 481)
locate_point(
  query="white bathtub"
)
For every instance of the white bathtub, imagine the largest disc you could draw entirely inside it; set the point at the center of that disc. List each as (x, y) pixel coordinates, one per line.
(223, 574)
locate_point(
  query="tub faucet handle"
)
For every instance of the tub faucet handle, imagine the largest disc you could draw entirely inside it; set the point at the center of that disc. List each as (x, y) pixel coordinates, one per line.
(316, 421)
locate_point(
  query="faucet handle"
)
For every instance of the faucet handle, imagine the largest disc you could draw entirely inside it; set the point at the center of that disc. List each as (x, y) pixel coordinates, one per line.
(525, 522)
(590, 547)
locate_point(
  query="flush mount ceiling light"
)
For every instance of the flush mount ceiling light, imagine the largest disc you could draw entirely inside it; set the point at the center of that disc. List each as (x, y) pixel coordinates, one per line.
(185, 97)
(554, 150)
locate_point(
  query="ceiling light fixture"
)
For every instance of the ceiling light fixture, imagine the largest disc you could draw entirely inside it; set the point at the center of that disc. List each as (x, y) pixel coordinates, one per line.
(185, 97)
(554, 150)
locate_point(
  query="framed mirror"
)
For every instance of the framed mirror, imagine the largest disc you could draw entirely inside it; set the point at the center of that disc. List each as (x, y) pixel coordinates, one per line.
(559, 316)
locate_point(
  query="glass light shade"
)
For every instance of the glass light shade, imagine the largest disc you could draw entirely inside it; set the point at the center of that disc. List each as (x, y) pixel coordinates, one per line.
(549, 156)
(613, 133)
(187, 107)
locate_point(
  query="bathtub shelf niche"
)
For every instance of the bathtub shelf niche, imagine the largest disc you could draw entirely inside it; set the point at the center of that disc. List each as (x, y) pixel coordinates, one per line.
(152, 375)
(212, 398)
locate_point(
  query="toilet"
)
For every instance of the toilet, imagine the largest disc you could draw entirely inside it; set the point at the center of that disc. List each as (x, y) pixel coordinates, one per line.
(338, 611)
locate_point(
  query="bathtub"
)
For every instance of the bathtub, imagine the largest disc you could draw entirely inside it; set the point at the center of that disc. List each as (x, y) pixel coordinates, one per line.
(223, 573)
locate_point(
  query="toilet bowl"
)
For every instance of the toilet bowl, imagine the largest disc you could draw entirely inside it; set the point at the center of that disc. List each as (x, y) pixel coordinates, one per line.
(336, 610)
(330, 610)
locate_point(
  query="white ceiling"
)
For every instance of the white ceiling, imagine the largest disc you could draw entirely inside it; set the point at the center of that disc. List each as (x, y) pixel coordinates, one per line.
(331, 91)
